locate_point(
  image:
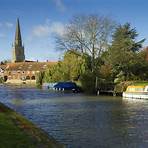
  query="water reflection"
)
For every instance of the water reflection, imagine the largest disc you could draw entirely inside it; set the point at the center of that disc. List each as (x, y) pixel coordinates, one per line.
(81, 121)
(17, 102)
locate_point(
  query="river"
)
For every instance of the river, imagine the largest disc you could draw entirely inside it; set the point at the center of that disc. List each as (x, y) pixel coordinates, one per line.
(81, 121)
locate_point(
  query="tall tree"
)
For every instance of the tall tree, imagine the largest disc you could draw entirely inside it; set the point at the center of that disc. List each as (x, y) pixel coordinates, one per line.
(87, 34)
(69, 69)
(123, 50)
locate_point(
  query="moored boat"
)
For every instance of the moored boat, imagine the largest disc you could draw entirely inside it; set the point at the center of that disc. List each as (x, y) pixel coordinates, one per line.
(136, 92)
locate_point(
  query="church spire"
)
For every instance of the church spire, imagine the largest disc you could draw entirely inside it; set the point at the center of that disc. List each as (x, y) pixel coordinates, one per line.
(18, 48)
(18, 39)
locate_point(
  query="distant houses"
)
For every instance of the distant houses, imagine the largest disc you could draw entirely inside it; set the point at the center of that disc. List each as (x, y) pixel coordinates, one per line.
(21, 70)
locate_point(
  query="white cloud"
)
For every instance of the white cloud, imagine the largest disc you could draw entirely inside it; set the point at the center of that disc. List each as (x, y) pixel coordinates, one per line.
(48, 29)
(57, 28)
(60, 5)
(8, 24)
(41, 30)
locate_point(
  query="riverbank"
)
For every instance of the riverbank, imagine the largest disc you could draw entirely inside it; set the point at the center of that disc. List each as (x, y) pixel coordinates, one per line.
(19, 85)
(17, 132)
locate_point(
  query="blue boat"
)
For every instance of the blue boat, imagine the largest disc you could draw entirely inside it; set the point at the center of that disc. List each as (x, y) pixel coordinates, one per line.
(71, 86)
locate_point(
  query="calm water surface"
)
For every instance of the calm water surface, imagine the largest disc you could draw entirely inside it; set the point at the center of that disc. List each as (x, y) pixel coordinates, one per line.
(80, 121)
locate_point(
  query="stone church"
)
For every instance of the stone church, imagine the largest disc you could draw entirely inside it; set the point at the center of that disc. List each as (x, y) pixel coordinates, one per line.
(21, 70)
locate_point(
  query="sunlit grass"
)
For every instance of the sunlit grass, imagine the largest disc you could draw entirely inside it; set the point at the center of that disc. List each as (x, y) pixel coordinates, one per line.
(17, 132)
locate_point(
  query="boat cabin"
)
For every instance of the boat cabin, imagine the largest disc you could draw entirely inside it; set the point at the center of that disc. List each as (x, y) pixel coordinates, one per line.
(139, 88)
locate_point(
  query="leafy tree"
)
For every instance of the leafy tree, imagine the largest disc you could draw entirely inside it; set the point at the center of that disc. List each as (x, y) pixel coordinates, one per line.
(73, 64)
(69, 69)
(87, 34)
(88, 82)
(123, 51)
(54, 73)
(106, 72)
(139, 66)
(39, 80)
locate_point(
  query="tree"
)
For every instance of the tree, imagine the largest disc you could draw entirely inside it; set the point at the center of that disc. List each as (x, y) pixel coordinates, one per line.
(69, 69)
(87, 34)
(54, 73)
(39, 80)
(123, 51)
(90, 35)
(73, 65)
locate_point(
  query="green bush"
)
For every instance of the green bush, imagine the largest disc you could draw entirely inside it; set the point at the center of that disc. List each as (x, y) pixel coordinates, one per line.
(88, 82)
(39, 80)
(121, 87)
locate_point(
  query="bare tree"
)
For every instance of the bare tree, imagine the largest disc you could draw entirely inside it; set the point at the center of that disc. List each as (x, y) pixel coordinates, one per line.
(87, 34)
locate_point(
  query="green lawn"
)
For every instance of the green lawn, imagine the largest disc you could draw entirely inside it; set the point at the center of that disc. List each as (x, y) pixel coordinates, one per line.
(17, 132)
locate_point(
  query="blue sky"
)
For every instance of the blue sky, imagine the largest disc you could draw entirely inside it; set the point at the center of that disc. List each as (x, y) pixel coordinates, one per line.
(40, 19)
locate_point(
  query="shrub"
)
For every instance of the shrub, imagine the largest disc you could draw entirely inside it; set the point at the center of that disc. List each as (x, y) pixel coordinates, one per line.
(121, 87)
(88, 82)
(39, 80)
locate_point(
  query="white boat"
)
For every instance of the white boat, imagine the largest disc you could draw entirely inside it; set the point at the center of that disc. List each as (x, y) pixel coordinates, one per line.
(136, 92)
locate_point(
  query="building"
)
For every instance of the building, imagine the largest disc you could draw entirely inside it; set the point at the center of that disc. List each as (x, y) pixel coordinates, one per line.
(21, 70)
(24, 72)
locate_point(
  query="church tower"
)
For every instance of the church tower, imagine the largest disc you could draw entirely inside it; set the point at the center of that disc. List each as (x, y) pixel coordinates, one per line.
(18, 48)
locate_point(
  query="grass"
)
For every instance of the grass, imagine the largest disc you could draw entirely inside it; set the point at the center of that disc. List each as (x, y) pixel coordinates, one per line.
(17, 132)
(142, 83)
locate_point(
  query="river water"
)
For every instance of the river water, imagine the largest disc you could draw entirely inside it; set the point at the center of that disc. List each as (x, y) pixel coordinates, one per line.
(81, 121)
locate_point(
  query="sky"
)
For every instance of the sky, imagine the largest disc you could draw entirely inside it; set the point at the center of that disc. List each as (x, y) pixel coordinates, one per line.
(40, 20)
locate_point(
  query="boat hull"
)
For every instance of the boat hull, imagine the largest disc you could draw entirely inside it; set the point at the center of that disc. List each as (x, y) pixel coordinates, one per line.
(135, 95)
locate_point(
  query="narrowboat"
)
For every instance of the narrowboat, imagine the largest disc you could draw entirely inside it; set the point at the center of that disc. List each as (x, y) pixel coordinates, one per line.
(136, 92)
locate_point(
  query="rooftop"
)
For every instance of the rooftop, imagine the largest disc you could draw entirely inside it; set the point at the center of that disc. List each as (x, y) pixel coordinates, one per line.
(27, 66)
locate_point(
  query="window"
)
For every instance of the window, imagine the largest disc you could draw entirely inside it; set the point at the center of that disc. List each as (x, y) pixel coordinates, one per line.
(33, 78)
(27, 77)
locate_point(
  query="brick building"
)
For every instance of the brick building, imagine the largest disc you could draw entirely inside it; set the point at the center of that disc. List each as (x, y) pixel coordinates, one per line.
(21, 70)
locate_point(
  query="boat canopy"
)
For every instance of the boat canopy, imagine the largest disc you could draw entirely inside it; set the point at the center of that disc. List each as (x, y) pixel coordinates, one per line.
(138, 88)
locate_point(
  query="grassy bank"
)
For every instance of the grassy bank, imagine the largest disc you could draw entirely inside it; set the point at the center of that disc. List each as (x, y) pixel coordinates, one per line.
(17, 132)
(142, 83)
(20, 85)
